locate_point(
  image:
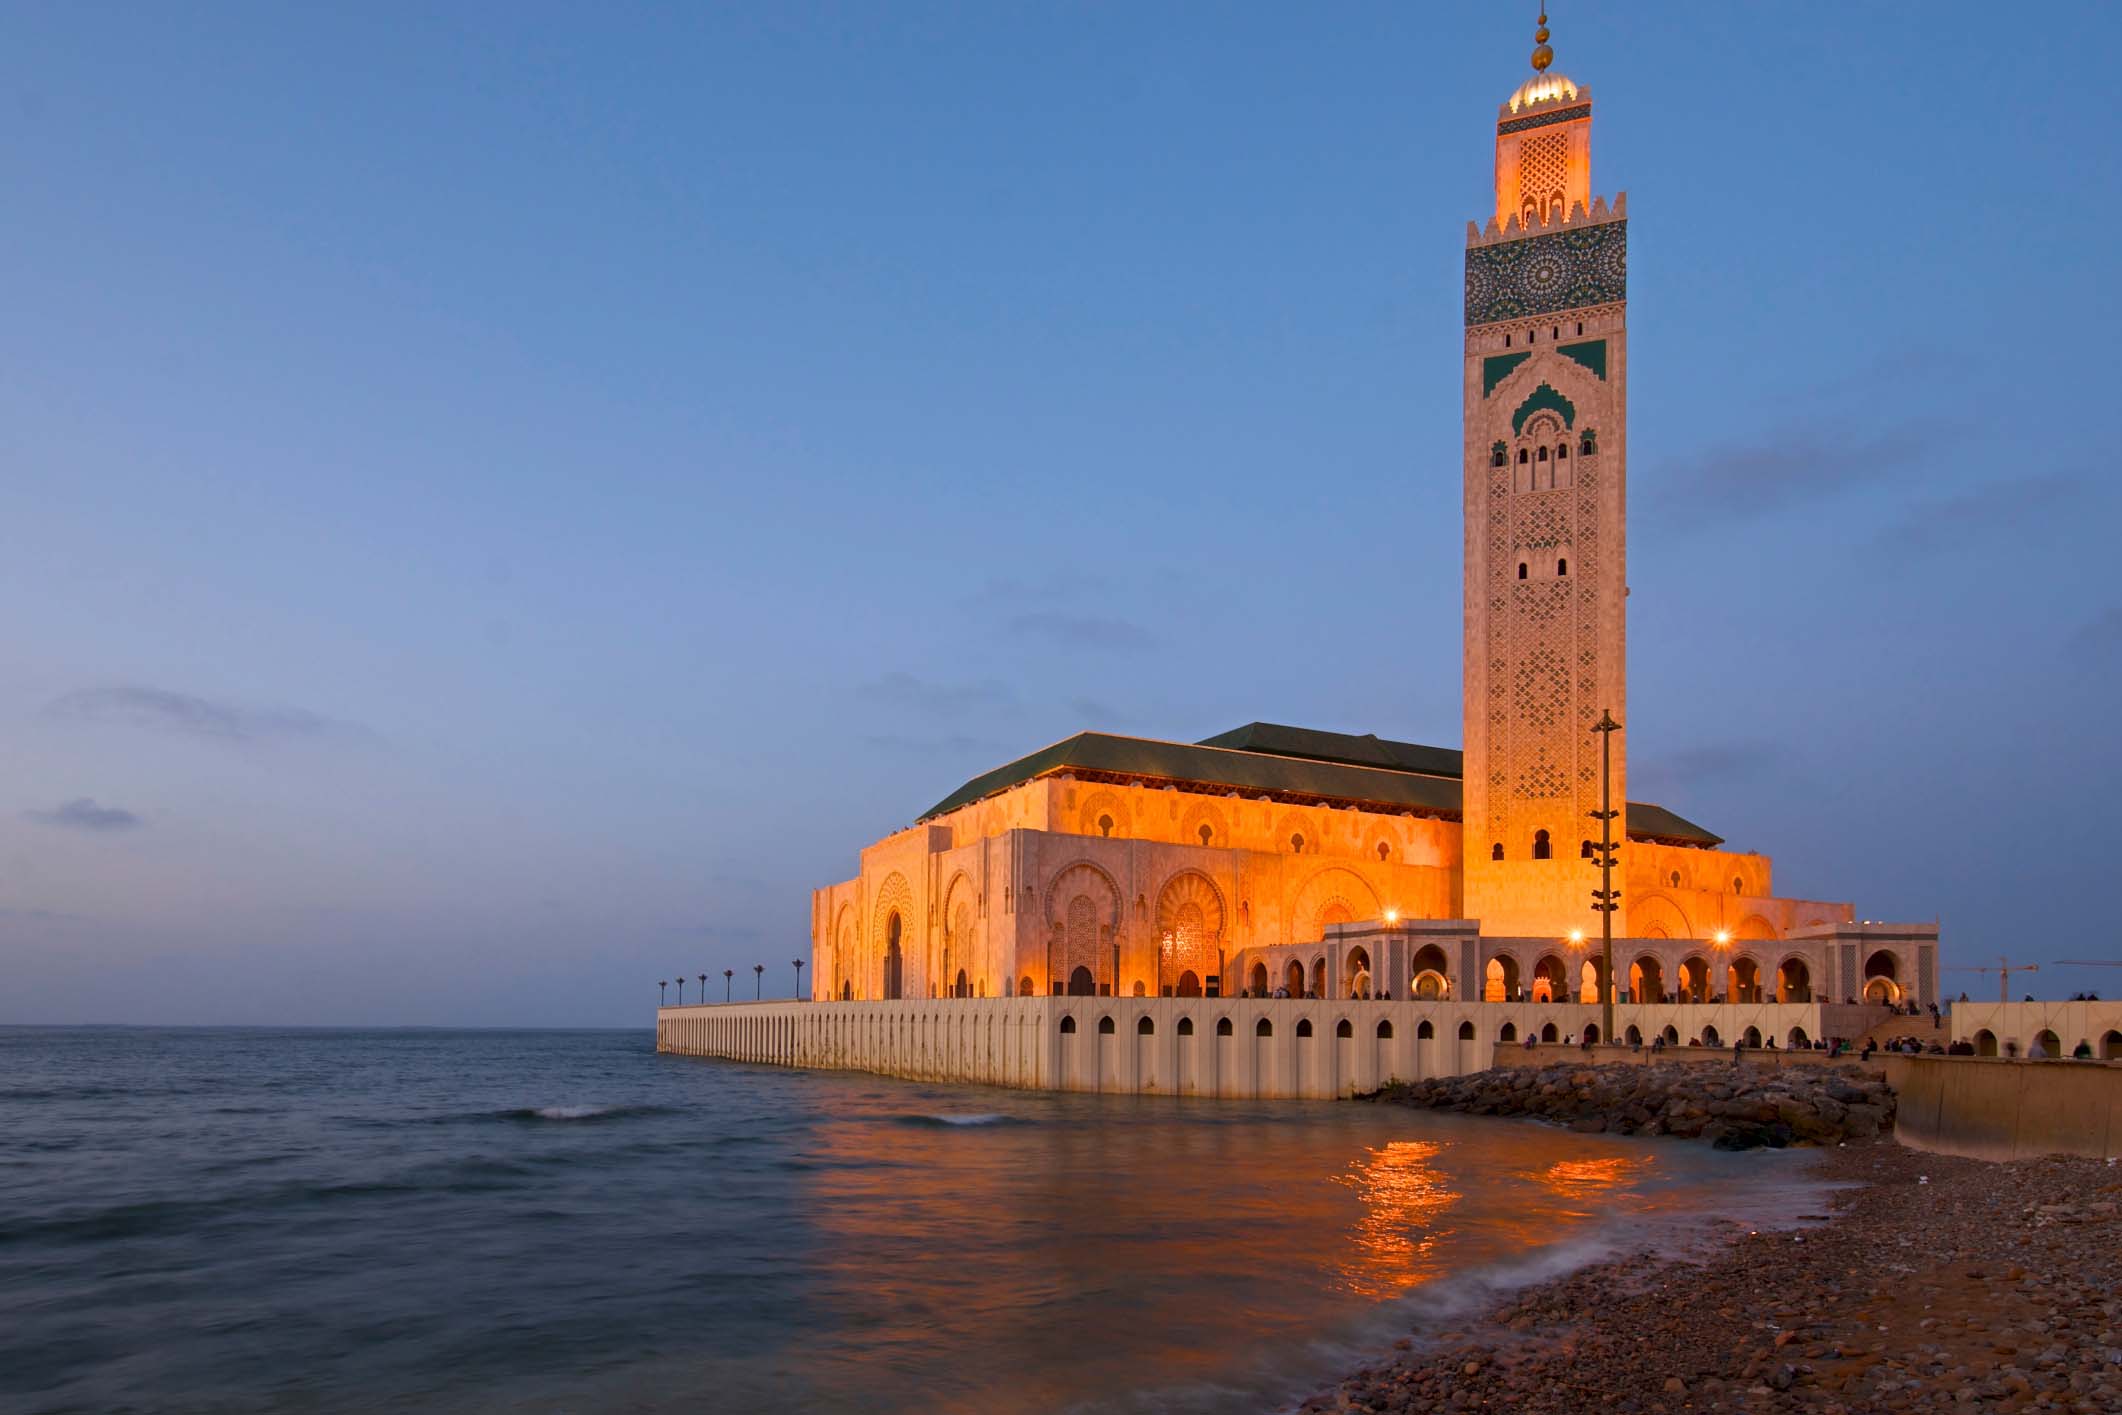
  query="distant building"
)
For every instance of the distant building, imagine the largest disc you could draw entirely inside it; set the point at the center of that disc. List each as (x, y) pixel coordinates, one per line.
(1275, 857)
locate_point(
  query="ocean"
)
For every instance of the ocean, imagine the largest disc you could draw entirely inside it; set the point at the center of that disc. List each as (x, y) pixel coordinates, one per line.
(413, 1220)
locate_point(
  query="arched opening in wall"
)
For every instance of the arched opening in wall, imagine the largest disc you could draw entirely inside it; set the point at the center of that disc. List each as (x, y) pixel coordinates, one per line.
(1495, 851)
(1207, 833)
(1882, 978)
(1549, 1032)
(1425, 1030)
(1304, 1026)
(1588, 977)
(1550, 979)
(1671, 1035)
(1562, 566)
(1634, 1035)
(1145, 1028)
(1675, 879)
(1068, 1024)
(1138, 989)
(1296, 843)
(1431, 971)
(1508, 1032)
(1710, 1037)
(1738, 886)
(1986, 1042)
(1189, 984)
(1335, 911)
(1745, 981)
(1752, 1037)
(1385, 1029)
(1105, 1026)
(1265, 1029)
(1584, 849)
(1082, 984)
(2050, 1044)
(1344, 1028)
(1186, 1026)
(1591, 1033)
(962, 987)
(1499, 981)
(1694, 978)
(1256, 982)
(1223, 1027)
(1794, 981)
(1293, 979)
(1355, 973)
(1105, 825)
(2111, 1047)
(1319, 977)
(1385, 852)
(847, 989)
(1024, 986)
(1521, 569)
(1797, 1039)
(1542, 848)
(1646, 980)
(894, 960)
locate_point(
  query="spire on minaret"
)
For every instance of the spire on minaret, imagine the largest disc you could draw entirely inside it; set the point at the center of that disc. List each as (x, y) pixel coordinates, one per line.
(1542, 55)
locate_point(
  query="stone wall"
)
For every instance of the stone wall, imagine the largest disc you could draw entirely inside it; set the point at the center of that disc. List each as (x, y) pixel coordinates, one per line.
(1232, 1047)
(2006, 1110)
(1992, 1025)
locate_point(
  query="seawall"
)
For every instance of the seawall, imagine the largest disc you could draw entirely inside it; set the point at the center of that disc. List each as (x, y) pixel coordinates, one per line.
(2005, 1110)
(1253, 1048)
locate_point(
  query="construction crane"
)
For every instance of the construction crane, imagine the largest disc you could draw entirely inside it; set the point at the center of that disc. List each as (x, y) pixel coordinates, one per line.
(2004, 969)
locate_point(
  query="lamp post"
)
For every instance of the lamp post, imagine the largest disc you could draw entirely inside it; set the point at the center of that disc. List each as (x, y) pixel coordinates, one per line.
(662, 989)
(727, 974)
(758, 981)
(703, 989)
(1605, 898)
(799, 977)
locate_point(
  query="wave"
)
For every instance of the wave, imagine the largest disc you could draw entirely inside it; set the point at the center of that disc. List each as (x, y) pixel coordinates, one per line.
(950, 1119)
(579, 1112)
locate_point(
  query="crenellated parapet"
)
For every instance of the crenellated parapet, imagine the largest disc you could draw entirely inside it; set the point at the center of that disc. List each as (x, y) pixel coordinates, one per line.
(1514, 230)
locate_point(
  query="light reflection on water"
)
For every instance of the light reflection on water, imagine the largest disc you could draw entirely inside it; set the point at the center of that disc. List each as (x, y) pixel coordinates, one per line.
(540, 1222)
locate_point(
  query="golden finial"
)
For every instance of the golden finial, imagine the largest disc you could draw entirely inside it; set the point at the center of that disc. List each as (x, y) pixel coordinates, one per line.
(1542, 55)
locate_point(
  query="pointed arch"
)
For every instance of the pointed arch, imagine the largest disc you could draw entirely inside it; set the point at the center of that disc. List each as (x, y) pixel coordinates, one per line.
(1317, 896)
(1656, 916)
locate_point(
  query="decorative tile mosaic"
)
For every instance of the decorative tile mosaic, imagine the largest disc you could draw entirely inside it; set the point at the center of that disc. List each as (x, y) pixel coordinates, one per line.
(1541, 120)
(1570, 269)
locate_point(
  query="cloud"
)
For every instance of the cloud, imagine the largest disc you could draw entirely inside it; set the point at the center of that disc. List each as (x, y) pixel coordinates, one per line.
(1092, 631)
(2101, 634)
(937, 699)
(1697, 766)
(160, 710)
(1743, 481)
(2003, 507)
(84, 814)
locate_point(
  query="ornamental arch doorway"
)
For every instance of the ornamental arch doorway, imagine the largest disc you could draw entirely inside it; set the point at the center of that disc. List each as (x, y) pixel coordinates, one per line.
(894, 958)
(1882, 982)
(1081, 983)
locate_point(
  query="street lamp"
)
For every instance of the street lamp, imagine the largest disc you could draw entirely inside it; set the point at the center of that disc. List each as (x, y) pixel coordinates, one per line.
(799, 977)
(703, 989)
(759, 981)
(1606, 898)
(727, 974)
(662, 987)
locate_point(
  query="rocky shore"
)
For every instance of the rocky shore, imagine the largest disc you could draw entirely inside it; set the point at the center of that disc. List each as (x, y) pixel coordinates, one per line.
(1734, 1108)
(1940, 1284)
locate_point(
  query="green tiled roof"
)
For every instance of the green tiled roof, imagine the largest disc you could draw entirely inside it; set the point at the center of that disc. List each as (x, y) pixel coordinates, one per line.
(1271, 759)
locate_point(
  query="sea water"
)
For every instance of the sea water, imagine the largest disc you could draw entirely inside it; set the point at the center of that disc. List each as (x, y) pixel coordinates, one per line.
(412, 1220)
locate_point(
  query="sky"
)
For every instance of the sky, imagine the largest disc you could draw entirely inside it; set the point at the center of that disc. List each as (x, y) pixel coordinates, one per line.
(501, 500)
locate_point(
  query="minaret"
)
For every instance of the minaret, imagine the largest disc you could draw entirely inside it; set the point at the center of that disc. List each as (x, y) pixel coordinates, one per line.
(1546, 401)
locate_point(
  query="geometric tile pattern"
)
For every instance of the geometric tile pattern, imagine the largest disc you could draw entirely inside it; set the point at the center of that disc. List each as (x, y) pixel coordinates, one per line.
(1569, 269)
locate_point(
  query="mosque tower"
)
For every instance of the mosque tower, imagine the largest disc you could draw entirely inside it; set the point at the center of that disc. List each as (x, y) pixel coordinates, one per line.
(1546, 401)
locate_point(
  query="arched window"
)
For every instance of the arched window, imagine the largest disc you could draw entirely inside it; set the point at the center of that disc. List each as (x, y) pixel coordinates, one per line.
(1549, 1033)
(1562, 453)
(1068, 1024)
(1265, 1029)
(1495, 851)
(1543, 455)
(1584, 852)
(1509, 1033)
(1207, 833)
(1296, 844)
(1466, 1031)
(1385, 852)
(1105, 825)
(1521, 569)
(1499, 456)
(1676, 879)
(1105, 1026)
(1542, 850)
(1304, 1027)
(1024, 986)
(1385, 1030)
(1186, 1026)
(1145, 1028)
(1223, 1026)
(1523, 456)
(1588, 444)
(1343, 1028)
(1738, 886)
(1562, 566)
(1424, 1031)
(1634, 1034)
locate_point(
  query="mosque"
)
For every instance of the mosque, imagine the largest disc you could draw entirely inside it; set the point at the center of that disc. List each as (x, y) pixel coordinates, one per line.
(1282, 861)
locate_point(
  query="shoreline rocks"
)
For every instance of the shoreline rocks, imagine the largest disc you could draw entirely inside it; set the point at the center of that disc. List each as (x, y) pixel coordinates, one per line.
(1938, 1284)
(1733, 1108)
